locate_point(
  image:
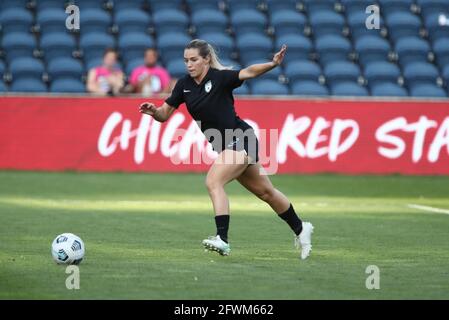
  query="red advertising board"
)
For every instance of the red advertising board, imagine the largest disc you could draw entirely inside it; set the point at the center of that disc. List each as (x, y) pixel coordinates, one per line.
(296, 136)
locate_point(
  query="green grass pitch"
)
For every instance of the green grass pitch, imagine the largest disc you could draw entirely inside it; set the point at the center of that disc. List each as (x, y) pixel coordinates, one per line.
(143, 237)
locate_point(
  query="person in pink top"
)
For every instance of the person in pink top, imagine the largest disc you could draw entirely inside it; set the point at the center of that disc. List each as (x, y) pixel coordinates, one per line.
(106, 79)
(150, 78)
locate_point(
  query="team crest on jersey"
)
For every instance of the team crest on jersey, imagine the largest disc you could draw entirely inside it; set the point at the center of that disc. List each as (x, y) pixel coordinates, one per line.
(208, 86)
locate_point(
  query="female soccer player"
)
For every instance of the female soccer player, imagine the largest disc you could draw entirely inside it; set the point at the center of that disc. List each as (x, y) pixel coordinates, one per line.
(207, 92)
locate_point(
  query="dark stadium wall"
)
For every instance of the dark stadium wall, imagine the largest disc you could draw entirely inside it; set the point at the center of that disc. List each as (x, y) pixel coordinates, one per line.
(296, 136)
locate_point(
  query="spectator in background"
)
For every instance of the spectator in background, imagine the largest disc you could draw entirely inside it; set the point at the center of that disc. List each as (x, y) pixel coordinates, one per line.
(106, 79)
(150, 78)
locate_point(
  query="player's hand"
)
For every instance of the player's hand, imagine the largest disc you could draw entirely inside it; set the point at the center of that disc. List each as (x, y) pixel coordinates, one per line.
(279, 56)
(148, 108)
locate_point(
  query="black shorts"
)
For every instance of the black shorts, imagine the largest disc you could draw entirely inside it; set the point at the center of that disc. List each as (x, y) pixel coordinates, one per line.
(243, 140)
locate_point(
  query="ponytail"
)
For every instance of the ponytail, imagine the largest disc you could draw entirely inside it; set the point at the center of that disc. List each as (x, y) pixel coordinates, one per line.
(205, 50)
(215, 61)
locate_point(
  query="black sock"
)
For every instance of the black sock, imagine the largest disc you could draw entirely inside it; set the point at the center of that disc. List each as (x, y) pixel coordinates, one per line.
(222, 223)
(292, 219)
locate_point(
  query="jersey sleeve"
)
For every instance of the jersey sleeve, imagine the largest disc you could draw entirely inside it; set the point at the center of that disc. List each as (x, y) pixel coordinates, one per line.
(231, 78)
(177, 95)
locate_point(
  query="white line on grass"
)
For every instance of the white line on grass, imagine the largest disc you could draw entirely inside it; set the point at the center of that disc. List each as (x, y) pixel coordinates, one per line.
(426, 208)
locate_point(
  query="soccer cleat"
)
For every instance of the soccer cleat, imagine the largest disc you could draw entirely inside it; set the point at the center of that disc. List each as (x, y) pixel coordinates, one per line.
(215, 243)
(304, 240)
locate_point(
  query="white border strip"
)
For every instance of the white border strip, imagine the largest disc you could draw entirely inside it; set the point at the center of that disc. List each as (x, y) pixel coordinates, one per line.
(426, 208)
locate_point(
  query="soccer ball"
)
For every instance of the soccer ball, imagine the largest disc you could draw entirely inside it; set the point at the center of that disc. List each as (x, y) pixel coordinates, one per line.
(67, 248)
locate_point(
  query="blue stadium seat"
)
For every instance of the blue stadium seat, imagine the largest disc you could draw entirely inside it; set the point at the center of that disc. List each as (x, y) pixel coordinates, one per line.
(312, 6)
(302, 70)
(132, 64)
(15, 20)
(276, 5)
(236, 5)
(28, 85)
(17, 44)
(445, 74)
(132, 45)
(170, 20)
(67, 86)
(50, 4)
(288, 25)
(6, 4)
(26, 68)
(326, 22)
(2, 69)
(309, 88)
(64, 67)
(429, 7)
(410, 49)
(420, 72)
(388, 89)
(268, 87)
(348, 88)
(176, 68)
(287, 21)
(196, 5)
(51, 20)
(242, 90)
(299, 46)
(132, 20)
(390, 6)
(428, 90)
(93, 44)
(172, 44)
(157, 5)
(94, 20)
(92, 63)
(402, 24)
(332, 47)
(209, 20)
(381, 72)
(341, 71)
(128, 4)
(2, 72)
(357, 25)
(372, 48)
(248, 20)
(253, 46)
(3, 86)
(57, 45)
(354, 6)
(223, 43)
(435, 28)
(88, 4)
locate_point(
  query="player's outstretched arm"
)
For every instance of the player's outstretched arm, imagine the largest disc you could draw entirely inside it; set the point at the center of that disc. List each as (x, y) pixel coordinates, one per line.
(256, 70)
(159, 114)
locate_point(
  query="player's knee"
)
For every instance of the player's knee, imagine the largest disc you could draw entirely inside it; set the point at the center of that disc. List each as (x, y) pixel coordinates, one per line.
(213, 185)
(266, 194)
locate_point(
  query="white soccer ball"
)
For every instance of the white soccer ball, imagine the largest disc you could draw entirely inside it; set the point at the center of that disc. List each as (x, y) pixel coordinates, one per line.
(67, 248)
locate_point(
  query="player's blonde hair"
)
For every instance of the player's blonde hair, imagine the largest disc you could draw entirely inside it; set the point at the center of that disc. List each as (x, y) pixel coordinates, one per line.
(205, 49)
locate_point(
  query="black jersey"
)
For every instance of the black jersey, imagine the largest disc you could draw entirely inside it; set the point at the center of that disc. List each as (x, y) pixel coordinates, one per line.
(211, 102)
